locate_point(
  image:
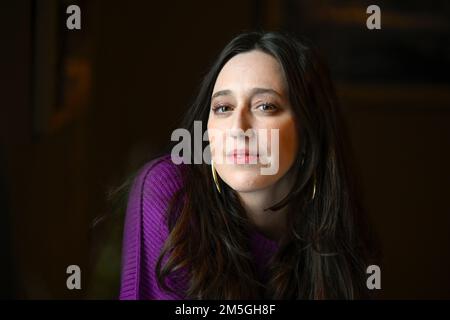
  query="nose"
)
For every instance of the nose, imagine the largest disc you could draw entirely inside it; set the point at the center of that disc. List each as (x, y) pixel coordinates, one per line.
(241, 122)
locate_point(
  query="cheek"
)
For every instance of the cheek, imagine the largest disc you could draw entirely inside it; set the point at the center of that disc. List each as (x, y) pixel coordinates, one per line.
(288, 141)
(287, 144)
(287, 133)
(215, 137)
(210, 124)
(212, 134)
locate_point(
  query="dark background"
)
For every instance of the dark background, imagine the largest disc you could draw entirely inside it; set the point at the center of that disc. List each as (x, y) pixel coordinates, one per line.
(81, 110)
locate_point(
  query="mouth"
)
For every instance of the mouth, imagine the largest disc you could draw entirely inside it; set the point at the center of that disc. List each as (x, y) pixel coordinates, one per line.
(242, 157)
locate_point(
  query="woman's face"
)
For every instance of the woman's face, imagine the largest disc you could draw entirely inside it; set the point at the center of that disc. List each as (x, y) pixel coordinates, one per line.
(250, 100)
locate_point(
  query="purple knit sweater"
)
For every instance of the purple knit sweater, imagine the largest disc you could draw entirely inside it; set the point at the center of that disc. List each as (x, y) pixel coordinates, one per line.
(145, 232)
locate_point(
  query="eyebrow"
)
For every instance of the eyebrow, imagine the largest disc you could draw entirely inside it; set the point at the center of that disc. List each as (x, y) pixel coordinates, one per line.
(254, 91)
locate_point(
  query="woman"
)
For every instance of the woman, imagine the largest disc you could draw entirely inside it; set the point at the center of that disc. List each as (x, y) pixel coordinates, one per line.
(228, 231)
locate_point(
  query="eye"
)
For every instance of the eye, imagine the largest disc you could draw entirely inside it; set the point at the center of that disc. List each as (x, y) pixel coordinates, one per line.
(221, 109)
(267, 107)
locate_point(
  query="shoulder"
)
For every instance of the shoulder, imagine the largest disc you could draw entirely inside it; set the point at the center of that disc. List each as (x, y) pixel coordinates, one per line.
(160, 178)
(152, 191)
(145, 229)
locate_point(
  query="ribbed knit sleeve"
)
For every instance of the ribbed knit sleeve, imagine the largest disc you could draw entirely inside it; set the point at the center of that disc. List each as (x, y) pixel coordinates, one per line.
(146, 230)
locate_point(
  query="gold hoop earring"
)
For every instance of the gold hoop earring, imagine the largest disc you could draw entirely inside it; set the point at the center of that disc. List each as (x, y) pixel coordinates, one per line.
(314, 188)
(214, 174)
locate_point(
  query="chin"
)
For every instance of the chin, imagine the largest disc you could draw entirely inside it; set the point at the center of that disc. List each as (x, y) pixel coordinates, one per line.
(247, 181)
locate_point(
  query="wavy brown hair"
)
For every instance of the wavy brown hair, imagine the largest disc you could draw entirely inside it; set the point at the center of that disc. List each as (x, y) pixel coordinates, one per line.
(325, 253)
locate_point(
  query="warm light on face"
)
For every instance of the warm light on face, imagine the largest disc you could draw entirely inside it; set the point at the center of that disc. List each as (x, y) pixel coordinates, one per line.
(252, 118)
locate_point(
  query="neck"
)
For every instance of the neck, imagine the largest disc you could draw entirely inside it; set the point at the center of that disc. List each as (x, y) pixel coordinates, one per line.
(273, 224)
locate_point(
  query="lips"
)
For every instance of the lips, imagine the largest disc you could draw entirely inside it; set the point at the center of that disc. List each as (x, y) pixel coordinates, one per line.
(243, 156)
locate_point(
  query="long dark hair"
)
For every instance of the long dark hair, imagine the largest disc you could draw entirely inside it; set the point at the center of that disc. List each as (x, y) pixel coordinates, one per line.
(327, 247)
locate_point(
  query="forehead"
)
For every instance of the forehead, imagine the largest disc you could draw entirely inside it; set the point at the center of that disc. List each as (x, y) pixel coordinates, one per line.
(251, 69)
